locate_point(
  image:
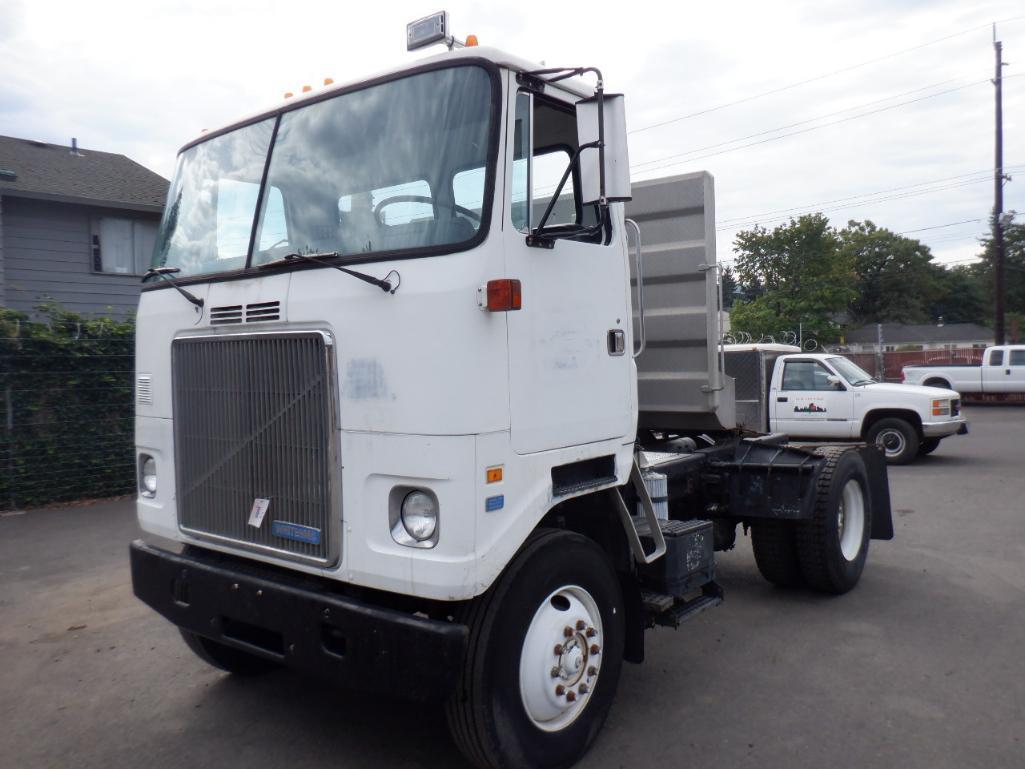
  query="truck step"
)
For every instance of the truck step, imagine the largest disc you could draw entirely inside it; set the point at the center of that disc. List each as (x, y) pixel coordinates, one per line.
(681, 610)
(657, 603)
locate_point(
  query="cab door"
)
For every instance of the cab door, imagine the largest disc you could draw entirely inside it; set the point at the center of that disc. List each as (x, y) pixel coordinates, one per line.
(809, 404)
(571, 374)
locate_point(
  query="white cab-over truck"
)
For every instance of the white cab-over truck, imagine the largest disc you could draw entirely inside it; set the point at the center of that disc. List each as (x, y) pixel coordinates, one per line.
(826, 397)
(393, 407)
(1002, 371)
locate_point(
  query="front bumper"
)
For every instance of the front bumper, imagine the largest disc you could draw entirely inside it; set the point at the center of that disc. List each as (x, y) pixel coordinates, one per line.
(956, 426)
(300, 622)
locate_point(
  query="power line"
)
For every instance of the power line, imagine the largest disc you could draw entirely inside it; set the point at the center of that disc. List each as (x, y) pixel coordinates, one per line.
(879, 196)
(806, 130)
(801, 122)
(940, 226)
(823, 76)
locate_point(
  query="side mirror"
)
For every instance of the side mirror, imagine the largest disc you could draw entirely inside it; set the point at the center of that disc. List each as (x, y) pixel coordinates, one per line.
(603, 116)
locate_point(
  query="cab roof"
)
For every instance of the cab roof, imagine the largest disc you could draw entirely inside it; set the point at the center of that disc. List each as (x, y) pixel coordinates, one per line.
(502, 59)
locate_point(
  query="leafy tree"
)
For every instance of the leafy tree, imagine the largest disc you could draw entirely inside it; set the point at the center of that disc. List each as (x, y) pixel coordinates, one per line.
(1014, 273)
(896, 278)
(961, 296)
(806, 278)
(729, 287)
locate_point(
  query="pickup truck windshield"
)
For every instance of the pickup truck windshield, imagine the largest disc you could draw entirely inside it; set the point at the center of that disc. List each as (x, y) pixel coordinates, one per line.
(401, 166)
(854, 374)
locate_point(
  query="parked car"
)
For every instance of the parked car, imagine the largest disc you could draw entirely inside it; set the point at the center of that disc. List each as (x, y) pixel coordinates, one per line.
(821, 396)
(1002, 371)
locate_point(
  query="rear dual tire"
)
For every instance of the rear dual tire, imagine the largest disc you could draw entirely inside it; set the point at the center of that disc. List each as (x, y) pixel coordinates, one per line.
(828, 552)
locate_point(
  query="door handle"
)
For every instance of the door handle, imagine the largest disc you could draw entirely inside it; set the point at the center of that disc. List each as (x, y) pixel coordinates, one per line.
(782, 400)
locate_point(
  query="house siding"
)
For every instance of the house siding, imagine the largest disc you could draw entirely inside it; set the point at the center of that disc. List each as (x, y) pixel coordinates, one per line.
(47, 256)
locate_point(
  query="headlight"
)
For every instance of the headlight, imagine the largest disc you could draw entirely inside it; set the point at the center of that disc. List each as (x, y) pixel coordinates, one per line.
(147, 476)
(940, 408)
(419, 514)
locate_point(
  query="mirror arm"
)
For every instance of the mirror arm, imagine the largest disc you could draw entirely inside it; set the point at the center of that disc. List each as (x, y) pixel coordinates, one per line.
(537, 236)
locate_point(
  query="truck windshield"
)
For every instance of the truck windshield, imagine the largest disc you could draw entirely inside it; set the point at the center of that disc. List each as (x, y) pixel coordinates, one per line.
(396, 168)
(853, 373)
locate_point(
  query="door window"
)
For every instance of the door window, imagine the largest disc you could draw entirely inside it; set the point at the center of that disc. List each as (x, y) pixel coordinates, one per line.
(1017, 358)
(544, 143)
(996, 357)
(806, 375)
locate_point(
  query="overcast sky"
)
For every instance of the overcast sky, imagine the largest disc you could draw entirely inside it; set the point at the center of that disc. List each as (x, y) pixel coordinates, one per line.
(141, 78)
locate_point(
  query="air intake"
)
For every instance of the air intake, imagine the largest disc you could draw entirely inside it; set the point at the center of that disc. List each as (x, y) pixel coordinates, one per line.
(144, 389)
(228, 314)
(263, 311)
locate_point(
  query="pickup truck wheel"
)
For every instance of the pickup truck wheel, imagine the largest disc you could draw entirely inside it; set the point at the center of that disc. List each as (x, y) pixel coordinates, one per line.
(833, 546)
(928, 446)
(226, 657)
(543, 657)
(898, 439)
(775, 548)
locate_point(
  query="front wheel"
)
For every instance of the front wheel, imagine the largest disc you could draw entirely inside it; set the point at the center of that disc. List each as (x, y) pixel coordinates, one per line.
(897, 438)
(928, 446)
(543, 658)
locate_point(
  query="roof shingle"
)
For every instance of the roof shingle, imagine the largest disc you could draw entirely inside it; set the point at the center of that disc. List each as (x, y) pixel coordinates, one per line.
(55, 172)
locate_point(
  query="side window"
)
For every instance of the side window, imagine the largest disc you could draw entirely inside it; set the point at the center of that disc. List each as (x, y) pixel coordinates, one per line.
(806, 375)
(122, 246)
(1017, 358)
(544, 143)
(996, 357)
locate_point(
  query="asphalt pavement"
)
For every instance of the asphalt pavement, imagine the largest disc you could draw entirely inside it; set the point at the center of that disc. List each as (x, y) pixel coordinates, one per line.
(922, 665)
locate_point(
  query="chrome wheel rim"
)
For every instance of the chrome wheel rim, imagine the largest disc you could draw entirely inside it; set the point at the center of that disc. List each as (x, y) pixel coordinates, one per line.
(850, 519)
(892, 442)
(561, 658)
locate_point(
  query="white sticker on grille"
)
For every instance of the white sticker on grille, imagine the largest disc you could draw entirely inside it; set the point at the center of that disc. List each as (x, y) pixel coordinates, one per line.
(258, 512)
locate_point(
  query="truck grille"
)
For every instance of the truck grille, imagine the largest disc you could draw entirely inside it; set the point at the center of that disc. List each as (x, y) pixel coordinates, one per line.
(253, 420)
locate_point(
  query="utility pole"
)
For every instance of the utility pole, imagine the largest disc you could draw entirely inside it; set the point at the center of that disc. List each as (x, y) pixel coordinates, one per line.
(998, 196)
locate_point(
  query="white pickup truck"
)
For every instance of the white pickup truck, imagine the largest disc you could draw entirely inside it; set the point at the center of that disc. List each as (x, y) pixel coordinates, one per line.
(820, 396)
(1002, 371)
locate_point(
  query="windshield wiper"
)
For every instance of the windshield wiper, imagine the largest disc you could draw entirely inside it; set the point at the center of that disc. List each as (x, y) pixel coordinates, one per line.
(385, 285)
(166, 273)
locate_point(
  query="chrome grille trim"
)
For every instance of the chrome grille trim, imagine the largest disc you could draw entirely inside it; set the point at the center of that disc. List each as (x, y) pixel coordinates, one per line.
(255, 417)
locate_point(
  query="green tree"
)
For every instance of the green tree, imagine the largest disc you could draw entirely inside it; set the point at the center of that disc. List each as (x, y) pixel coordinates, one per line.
(896, 278)
(1014, 275)
(806, 279)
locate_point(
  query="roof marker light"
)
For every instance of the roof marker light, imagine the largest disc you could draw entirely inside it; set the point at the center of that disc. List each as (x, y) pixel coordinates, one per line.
(307, 88)
(289, 94)
(471, 41)
(329, 81)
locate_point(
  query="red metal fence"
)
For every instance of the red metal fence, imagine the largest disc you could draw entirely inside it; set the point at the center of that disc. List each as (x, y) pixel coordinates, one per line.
(893, 362)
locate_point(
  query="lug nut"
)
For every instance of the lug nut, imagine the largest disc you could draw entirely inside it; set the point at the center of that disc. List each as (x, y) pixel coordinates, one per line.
(567, 631)
(592, 671)
(235, 586)
(581, 624)
(560, 690)
(558, 649)
(595, 649)
(571, 696)
(591, 632)
(555, 672)
(582, 688)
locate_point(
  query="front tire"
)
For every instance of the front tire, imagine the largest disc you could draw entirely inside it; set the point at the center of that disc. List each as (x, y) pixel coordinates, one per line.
(928, 446)
(897, 438)
(833, 545)
(543, 658)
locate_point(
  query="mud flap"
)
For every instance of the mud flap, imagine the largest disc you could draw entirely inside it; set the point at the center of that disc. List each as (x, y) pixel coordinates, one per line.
(879, 491)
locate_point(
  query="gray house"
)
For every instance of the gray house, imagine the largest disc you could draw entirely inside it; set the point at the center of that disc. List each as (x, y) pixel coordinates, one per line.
(76, 226)
(923, 336)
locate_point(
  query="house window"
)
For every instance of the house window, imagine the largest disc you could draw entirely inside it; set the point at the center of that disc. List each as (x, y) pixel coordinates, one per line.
(122, 246)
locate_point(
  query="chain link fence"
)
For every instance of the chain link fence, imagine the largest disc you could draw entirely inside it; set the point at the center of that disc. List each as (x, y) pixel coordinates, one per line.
(66, 389)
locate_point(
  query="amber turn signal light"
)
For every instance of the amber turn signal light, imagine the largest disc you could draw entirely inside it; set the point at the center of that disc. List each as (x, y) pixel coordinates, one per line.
(504, 295)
